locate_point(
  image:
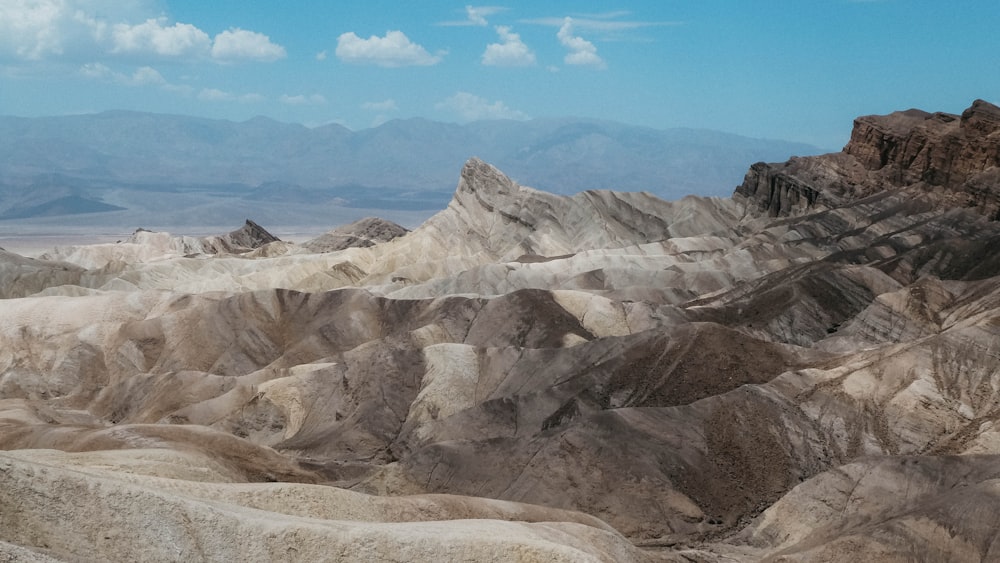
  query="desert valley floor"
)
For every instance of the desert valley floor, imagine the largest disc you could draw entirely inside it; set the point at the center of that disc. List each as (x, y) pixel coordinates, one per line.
(806, 371)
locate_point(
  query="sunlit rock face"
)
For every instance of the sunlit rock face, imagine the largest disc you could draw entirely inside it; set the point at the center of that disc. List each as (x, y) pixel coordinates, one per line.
(808, 371)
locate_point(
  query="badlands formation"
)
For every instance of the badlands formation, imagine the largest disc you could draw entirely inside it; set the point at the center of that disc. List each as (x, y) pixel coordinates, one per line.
(807, 371)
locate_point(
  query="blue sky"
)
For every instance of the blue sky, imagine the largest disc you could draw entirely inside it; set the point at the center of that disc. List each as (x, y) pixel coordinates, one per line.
(798, 70)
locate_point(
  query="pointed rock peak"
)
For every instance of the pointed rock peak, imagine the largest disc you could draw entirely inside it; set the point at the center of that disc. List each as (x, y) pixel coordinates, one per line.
(483, 188)
(253, 226)
(480, 177)
(251, 235)
(473, 163)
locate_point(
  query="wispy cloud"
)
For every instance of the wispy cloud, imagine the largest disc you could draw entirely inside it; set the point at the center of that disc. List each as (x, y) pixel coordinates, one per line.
(612, 15)
(608, 25)
(469, 107)
(146, 76)
(476, 16)
(581, 52)
(142, 76)
(383, 110)
(393, 50)
(216, 95)
(383, 106)
(96, 71)
(302, 99)
(511, 51)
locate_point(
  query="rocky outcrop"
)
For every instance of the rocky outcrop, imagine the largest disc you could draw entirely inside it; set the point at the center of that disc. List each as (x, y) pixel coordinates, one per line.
(359, 234)
(939, 149)
(776, 193)
(954, 158)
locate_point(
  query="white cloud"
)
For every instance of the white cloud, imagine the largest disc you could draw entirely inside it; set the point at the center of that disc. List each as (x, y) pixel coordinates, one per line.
(84, 29)
(510, 52)
(383, 106)
(148, 75)
(142, 76)
(614, 14)
(607, 26)
(581, 51)
(470, 107)
(393, 50)
(475, 16)
(382, 109)
(35, 29)
(240, 44)
(302, 100)
(97, 71)
(216, 95)
(603, 23)
(321, 56)
(154, 36)
(185, 40)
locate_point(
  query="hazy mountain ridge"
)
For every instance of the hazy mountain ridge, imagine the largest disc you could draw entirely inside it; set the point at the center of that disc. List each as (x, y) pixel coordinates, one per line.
(806, 371)
(368, 168)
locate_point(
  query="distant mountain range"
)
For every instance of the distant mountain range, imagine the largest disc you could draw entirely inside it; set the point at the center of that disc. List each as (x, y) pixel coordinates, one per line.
(195, 170)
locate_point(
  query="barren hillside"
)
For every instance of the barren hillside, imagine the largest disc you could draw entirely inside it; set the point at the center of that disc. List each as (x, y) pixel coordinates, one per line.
(807, 371)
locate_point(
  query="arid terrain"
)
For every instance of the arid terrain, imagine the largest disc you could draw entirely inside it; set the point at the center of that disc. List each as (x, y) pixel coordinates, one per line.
(808, 370)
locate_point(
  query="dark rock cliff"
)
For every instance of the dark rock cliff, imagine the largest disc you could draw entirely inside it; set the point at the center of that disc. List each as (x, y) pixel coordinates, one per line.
(954, 158)
(774, 191)
(940, 149)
